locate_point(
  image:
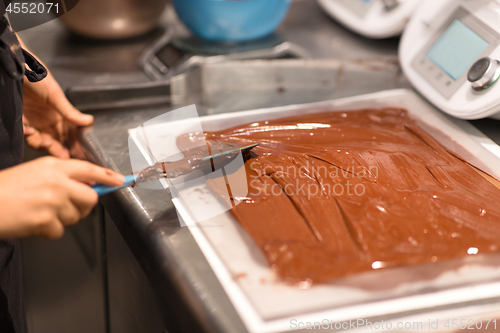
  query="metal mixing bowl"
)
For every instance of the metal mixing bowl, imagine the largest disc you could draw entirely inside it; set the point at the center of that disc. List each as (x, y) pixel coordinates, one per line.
(114, 19)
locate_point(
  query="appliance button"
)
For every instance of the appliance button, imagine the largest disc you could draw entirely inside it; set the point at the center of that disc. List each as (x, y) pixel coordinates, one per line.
(484, 73)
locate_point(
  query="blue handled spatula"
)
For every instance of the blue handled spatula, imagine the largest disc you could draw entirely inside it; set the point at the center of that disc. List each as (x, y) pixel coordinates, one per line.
(220, 154)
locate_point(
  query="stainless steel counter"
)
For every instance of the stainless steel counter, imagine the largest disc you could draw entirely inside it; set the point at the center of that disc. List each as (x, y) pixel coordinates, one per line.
(190, 295)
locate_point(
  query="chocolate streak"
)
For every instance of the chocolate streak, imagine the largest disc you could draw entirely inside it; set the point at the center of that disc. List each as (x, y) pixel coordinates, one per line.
(332, 194)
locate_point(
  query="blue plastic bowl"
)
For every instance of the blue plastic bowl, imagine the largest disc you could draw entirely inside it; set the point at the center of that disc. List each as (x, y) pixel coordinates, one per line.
(231, 20)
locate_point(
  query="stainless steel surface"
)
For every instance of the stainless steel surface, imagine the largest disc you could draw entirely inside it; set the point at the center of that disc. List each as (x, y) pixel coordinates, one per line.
(190, 293)
(133, 303)
(64, 290)
(230, 85)
(114, 19)
(241, 85)
(119, 95)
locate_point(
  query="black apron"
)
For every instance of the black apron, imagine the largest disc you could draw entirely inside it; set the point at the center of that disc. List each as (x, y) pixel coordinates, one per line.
(12, 70)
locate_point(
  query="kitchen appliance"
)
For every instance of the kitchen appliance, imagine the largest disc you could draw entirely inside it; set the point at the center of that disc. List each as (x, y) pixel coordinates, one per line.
(169, 56)
(371, 18)
(231, 21)
(450, 51)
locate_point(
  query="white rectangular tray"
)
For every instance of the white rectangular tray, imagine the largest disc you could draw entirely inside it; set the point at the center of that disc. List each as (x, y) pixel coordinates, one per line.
(265, 303)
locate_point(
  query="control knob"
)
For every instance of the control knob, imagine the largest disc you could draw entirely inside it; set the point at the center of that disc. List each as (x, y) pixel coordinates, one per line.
(484, 73)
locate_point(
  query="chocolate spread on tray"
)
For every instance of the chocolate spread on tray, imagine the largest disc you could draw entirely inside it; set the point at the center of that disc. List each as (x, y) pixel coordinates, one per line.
(337, 193)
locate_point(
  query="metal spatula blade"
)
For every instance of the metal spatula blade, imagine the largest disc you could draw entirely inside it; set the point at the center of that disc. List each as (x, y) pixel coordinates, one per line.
(217, 155)
(194, 159)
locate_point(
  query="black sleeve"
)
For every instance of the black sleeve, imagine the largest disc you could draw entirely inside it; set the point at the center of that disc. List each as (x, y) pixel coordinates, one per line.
(12, 318)
(3, 5)
(11, 53)
(3, 21)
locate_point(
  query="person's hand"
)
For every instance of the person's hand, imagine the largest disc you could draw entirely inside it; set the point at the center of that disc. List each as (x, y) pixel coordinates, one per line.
(50, 120)
(43, 196)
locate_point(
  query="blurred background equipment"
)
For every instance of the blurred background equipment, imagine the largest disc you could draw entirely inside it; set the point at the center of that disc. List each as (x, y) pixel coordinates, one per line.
(371, 18)
(449, 52)
(231, 21)
(26, 15)
(114, 19)
(170, 56)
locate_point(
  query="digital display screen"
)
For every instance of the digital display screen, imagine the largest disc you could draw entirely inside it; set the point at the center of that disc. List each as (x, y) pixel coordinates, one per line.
(457, 49)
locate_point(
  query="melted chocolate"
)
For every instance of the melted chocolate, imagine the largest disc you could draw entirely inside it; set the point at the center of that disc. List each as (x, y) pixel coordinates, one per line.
(332, 194)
